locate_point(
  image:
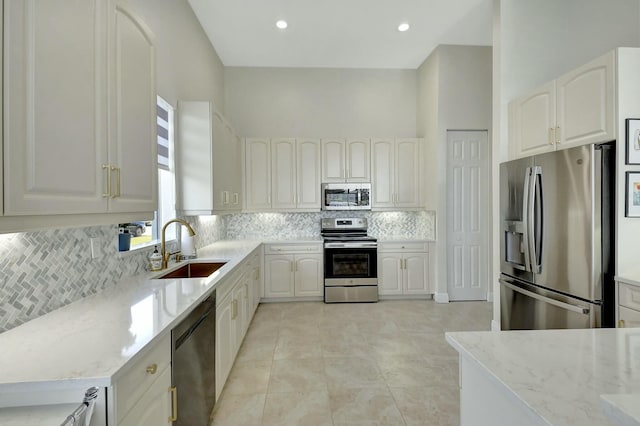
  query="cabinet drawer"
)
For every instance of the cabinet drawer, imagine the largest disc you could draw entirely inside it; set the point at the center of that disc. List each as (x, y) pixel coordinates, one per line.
(419, 246)
(293, 248)
(628, 318)
(629, 296)
(139, 377)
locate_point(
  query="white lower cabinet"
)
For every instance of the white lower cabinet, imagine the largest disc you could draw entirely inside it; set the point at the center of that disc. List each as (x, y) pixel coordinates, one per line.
(628, 306)
(224, 341)
(235, 305)
(403, 269)
(142, 394)
(154, 408)
(295, 271)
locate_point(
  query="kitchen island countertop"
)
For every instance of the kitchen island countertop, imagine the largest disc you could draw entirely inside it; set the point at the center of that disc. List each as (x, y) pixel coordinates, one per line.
(556, 376)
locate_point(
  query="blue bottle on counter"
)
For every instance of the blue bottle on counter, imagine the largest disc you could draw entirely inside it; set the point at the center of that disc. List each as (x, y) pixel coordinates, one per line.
(124, 240)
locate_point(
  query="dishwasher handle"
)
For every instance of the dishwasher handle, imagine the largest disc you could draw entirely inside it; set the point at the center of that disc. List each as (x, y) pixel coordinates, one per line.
(193, 321)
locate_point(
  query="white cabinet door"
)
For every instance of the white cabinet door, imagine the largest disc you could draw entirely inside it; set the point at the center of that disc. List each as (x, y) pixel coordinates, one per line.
(416, 273)
(133, 143)
(390, 274)
(407, 173)
(534, 118)
(283, 174)
(382, 173)
(238, 306)
(586, 103)
(358, 160)
(224, 342)
(279, 276)
(154, 408)
(346, 160)
(333, 160)
(65, 152)
(258, 174)
(309, 275)
(308, 174)
(55, 95)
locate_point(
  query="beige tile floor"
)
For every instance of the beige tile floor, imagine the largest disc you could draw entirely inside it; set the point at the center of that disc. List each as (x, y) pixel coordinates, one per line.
(386, 363)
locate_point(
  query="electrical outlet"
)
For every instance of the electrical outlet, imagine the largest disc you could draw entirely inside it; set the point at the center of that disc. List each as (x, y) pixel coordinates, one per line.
(96, 249)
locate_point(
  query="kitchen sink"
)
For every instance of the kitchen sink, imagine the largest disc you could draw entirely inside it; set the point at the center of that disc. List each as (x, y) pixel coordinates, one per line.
(194, 270)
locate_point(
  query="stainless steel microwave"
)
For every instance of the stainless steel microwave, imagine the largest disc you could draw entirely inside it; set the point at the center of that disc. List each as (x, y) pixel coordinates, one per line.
(346, 196)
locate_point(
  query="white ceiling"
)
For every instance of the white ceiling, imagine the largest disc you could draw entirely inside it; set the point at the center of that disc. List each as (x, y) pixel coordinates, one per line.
(340, 33)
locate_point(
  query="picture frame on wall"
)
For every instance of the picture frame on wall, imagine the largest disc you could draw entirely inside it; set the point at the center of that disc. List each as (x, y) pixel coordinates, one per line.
(633, 140)
(632, 201)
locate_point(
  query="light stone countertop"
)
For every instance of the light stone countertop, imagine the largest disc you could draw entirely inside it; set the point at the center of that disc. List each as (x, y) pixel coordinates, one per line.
(43, 415)
(623, 409)
(560, 375)
(630, 281)
(88, 342)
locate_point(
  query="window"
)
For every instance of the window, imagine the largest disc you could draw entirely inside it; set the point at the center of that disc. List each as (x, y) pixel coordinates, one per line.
(144, 233)
(166, 171)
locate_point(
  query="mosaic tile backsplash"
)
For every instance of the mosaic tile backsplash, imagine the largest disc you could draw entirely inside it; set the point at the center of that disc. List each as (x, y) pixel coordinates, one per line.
(45, 270)
(275, 226)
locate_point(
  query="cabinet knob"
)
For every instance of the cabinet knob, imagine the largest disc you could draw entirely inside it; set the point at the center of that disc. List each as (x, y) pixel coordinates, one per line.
(621, 324)
(151, 369)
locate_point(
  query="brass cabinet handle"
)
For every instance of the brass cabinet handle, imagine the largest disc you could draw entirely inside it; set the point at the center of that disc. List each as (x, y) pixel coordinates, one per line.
(236, 198)
(117, 193)
(151, 369)
(234, 309)
(107, 192)
(621, 324)
(551, 135)
(174, 404)
(558, 134)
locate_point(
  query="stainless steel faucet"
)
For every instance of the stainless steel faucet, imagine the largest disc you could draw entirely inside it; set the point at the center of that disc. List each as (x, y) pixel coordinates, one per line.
(165, 255)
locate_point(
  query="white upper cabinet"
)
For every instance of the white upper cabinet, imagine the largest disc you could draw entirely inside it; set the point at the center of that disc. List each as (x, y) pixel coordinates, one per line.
(282, 174)
(576, 109)
(532, 121)
(133, 117)
(395, 166)
(308, 174)
(209, 164)
(257, 161)
(586, 102)
(79, 122)
(345, 160)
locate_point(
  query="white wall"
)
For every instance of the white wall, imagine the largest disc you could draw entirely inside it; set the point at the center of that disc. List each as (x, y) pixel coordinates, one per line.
(188, 67)
(536, 41)
(321, 102)
(454, 86)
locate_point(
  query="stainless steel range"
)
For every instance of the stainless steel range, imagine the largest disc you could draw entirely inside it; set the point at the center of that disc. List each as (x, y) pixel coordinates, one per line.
(350, 261)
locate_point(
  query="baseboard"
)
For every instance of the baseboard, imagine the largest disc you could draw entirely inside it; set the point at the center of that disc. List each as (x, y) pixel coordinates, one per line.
(441, 297)
(495, 325)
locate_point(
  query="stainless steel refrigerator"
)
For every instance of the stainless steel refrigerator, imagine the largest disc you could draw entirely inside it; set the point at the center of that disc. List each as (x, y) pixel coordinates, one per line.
(557, 239)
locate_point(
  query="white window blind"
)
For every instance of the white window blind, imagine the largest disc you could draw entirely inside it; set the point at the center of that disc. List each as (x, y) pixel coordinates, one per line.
(163, 136)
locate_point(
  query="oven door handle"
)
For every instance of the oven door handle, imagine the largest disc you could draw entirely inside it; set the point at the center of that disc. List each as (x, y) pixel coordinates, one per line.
(350, 245)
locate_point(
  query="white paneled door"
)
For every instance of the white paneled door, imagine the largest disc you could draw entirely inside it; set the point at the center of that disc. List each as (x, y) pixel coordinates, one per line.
(467, 215)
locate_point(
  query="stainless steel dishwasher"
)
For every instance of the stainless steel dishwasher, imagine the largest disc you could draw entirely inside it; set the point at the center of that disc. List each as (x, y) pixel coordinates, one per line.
(193, 364)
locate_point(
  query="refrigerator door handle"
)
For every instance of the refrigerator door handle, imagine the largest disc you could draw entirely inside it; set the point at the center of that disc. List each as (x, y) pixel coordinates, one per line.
(559, 304)
(526, 219)
(535, 219)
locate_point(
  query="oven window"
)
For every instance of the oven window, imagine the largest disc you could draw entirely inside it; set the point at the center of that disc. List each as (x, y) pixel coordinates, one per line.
(350, 263)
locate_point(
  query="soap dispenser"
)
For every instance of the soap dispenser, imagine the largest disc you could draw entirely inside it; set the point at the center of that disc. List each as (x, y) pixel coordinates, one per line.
(155, 260)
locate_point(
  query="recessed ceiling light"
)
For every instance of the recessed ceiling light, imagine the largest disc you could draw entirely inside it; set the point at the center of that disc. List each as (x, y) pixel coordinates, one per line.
(282, 24)
(403, 27)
